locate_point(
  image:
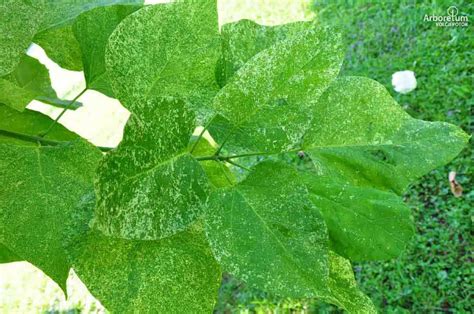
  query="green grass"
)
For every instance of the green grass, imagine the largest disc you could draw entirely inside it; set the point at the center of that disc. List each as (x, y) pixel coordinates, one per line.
(435, 274)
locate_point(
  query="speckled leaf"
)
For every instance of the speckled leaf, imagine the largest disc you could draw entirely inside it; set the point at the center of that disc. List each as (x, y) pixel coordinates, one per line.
(61, 46)
(218, 173)
(19, 21)
(59, 13)
(364, 223)
(7, 256)
(267, 233)
(267, 101)
(150, 187)
(166, 50)
(28, 81)
(244, 39)
(30, 123)
(40, 186)
(92, 29)
(360, 135)
(171, 275)
(343, 288)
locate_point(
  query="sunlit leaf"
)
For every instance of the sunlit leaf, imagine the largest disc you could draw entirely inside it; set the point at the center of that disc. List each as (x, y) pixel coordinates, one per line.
(92, 29)
(150, 187)
(19, 22)
(266, 232)
(171, 275)
(165, 50)
(265, 107)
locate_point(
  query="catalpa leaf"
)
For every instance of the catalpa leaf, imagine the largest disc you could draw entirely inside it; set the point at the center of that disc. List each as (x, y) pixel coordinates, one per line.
(28, 81)
(40, 186)
(59, 13)
(61, 46)
(364, 223)
(30, 123)
(244, 39)
(165, 50)
(7, 256)
(360, 135)
(92, 29)
(19, 22)
(150, 187)
(266, 232)
(343, 288)
(265, 105)
(164, 276)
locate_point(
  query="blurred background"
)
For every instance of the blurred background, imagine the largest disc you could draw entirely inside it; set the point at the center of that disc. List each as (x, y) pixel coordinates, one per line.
(436, 272)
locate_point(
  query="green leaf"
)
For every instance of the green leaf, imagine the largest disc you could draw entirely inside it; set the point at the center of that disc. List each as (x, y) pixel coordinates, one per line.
(244, 39)
(217, 172)
(28, 81)
(40, 186)
(361, 136)
(267, 233)
(59, 13)
(150, 187)
(19, 21)
(364, 223)
(265, 105)
(343, 288)
(61, 46)
(165, 50)
(30, 123)
(7, 256)
(171, 275)
(92, 29)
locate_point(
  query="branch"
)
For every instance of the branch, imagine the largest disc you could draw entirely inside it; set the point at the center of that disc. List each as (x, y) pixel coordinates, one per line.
(41, 140)
(68, 106)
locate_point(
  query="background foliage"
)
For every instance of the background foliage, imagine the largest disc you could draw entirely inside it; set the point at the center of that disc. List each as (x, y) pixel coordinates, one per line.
(434, 273)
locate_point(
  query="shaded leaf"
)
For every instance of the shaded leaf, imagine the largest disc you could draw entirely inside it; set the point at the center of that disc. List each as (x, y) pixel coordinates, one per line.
(361, 136)
(343, 288)
(59, 13)
(19, 21)
(61, 46)
(265, 105)
(364, 223)
(31, 123)
(150, 187)
(166, 276)
(165, 50)
(28, 81)
(92, 29)
(40, 186)
(7, 256)
(267, 233)
(244, 39)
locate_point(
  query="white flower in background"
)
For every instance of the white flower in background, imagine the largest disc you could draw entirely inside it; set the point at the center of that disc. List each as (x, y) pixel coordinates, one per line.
(404, 81)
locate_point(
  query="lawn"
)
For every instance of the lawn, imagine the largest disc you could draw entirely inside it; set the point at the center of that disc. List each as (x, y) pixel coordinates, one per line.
(435, 274)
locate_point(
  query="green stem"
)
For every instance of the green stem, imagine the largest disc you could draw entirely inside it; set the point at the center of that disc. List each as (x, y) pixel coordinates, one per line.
(41, 140)
(227, 158)
(69, 105)
(29, 138)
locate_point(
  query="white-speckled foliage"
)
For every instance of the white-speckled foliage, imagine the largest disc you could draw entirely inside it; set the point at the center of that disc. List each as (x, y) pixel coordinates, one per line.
(150, 187)
(150, 225)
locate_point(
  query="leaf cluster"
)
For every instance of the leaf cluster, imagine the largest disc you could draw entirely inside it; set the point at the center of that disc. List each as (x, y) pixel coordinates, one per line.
(150, 225)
